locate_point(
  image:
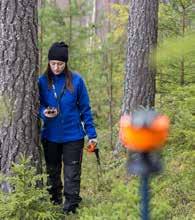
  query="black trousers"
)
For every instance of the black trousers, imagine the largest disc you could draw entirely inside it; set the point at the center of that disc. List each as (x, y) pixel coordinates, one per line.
(71, 155)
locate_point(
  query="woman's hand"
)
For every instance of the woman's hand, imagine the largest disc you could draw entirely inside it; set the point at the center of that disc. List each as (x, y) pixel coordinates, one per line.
(92, 145)
(50, 112)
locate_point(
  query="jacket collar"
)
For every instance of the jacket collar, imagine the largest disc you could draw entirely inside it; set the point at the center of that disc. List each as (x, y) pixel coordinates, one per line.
(59, 76)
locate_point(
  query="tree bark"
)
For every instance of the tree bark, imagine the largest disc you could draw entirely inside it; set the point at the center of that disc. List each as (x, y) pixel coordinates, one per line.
(140, 70)
(18, 77)
(139, 88)
(41, 33)
(70, 24)
(110, 76)
(93, 21)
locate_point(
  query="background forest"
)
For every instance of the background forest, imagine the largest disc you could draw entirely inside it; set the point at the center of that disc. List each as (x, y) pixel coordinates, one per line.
(96, 32)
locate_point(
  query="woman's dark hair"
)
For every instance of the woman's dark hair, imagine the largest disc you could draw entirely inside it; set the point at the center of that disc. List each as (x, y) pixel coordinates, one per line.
(67, 74)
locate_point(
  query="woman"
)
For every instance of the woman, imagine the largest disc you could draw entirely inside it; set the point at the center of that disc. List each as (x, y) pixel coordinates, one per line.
(66, 114)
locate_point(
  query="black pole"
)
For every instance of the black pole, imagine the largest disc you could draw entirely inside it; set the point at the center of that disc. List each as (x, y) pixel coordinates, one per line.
(145, 198)
(144, 165)
(143, 162)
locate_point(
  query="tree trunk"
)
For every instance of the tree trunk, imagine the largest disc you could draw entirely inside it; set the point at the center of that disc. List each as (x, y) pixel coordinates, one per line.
(139, 89)
(94, 16)
(70, 24)
(41, 32)
(193, 11)
(18, 75)
(110, 94)
(93, 21)
(182, 64)
(140, 71)
(110, 76)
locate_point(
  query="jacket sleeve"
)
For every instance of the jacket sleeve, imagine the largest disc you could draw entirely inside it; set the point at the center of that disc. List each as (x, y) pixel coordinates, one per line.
(85, 110)
(42, 105)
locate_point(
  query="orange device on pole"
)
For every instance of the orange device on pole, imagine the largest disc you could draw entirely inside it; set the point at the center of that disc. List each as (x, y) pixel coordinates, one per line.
(91, 147)
(144, 131)
(143, 136)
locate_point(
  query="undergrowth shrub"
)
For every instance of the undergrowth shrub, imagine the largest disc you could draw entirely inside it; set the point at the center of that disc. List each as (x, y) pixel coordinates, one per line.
(26, 200)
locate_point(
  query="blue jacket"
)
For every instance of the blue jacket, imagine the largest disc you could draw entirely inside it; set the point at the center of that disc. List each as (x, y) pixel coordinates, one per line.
(75, 119)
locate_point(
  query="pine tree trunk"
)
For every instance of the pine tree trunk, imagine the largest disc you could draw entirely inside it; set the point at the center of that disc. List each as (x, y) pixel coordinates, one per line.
(18, 77)
(70, 24)
(41, 33)
(139, 89)
(110, 77)
(142, 38)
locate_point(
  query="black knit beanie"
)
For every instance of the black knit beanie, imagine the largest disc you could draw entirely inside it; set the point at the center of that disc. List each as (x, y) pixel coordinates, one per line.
(58, 51)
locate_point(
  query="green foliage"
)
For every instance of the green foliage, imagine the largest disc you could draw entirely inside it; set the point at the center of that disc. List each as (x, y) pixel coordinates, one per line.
(171, 16)
(173, 190)
(108, 196)
(179, 105)
(26, 200)
(115, 196)
(175, 54)
(174, 48)
(119, 19)
(121, 203)
(63, 25)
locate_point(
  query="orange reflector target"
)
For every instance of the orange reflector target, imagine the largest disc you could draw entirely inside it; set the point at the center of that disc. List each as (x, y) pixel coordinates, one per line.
(145, 138)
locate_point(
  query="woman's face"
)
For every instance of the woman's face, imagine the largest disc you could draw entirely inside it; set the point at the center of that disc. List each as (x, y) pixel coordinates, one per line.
(56, 66)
